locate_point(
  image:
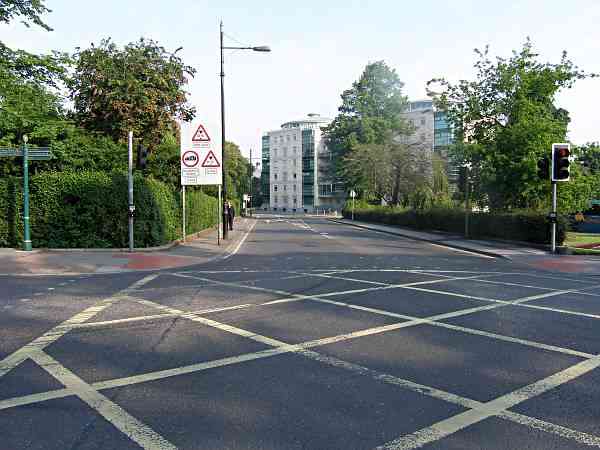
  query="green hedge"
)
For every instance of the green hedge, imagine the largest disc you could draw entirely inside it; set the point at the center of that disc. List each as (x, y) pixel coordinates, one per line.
(201, 210)
(89, 210)
(526, 226)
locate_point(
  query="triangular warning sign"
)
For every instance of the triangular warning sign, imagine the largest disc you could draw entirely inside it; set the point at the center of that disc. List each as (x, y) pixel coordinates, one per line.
(201, 135)
(211, 160)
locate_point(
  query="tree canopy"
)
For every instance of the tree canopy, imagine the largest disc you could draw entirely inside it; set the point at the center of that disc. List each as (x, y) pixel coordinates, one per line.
(505, 120)
(139, 88)
(27, 10)
(370, 111)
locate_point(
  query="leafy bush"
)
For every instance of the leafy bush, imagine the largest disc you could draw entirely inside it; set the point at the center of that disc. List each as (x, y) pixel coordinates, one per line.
(89, 209)
(527, 226)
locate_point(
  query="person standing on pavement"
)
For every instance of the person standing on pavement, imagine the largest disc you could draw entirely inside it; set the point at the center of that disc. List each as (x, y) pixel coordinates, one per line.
(231, 215)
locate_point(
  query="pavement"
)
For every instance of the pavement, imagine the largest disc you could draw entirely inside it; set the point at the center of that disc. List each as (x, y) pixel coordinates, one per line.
(312, 335)
(198, 249)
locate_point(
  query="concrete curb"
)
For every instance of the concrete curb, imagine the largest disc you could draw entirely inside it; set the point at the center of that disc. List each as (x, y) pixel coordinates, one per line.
(430, 241)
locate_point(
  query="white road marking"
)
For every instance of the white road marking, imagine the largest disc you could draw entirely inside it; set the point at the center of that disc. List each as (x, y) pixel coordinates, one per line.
(494, 407)
(454, 249)
(135, 430)
(241, 242)
(282, 347)
(20, 355)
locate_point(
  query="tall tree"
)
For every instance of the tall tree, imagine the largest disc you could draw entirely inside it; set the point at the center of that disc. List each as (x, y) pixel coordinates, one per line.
(370, 112)
(509, 113)
(139, 88)
(27, 10)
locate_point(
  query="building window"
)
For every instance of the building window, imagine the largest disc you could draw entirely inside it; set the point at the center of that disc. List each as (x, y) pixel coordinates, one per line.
(284, 187)
(295, 137)
(295, 175)
(295, 201)
(275, 199)
(422, 121)
(294, 188)
(294, 162)
(275, 175)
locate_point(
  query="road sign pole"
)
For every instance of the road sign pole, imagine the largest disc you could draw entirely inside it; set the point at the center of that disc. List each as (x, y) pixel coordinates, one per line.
(130, 189)
(183, 204)
(554, 215)
(27, 233)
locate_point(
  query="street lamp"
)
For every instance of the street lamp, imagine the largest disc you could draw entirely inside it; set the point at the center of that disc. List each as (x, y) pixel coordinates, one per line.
(260, 48)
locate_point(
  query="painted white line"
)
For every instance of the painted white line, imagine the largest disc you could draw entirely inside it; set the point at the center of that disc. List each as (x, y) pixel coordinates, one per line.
(547, 427)
(494, 407)
(453, 249)
(20, 355)
(135, 430)
(156, 316)
(302, 349)
(241, 242)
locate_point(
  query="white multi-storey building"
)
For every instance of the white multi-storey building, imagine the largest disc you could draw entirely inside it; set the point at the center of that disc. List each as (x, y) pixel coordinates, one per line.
(297, 170)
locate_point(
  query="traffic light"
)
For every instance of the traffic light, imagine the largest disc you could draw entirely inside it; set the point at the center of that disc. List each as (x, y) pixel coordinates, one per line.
(561, 155)
(543, 166)
(142, 156)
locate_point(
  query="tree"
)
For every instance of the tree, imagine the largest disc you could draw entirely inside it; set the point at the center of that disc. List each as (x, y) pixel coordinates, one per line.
(508, 112)
(589, 156)
(370, 112)
(139, 88)
(391, 171)
(27, 10)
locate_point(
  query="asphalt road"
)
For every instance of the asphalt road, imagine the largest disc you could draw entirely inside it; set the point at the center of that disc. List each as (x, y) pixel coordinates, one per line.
(312, 336)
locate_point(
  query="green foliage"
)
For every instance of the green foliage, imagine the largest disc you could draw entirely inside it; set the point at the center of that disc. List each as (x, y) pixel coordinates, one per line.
(28, 98)
(370, 110)
(201, 210)
(589, 156)
(164, 163)
(238, 171)
(27, 10)
(509, 119)
(89, 209)
(139, 88)
(526, 226)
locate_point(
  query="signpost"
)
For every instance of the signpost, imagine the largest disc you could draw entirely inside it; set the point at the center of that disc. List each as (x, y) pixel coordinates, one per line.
(37, 154)
(353, 196)
(201, 164)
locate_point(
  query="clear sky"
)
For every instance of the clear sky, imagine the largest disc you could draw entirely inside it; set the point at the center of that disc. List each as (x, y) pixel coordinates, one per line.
(321, 47)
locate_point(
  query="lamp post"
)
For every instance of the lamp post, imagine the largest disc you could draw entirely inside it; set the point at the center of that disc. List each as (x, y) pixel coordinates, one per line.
(261, 48)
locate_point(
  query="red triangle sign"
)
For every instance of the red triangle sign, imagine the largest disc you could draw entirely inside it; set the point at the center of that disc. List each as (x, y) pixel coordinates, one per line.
(201, 135)
(211, 160)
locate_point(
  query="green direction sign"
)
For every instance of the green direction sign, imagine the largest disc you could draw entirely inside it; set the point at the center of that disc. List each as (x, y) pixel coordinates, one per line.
(33, 154)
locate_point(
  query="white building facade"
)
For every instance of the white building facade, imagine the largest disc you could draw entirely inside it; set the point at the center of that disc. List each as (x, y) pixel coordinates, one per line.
(297, 168)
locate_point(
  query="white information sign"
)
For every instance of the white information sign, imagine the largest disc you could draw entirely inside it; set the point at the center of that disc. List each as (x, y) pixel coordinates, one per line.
(201, 159)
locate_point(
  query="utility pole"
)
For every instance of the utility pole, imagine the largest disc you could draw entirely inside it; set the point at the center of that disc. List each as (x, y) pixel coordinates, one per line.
(225, 228)
(251, 182)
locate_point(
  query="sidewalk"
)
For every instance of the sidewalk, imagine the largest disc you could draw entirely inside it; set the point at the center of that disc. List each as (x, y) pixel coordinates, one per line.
(201, 249)
(496, 249)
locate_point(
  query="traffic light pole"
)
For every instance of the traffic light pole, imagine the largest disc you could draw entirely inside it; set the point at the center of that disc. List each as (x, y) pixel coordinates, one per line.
(130, 188)
(554, 215)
